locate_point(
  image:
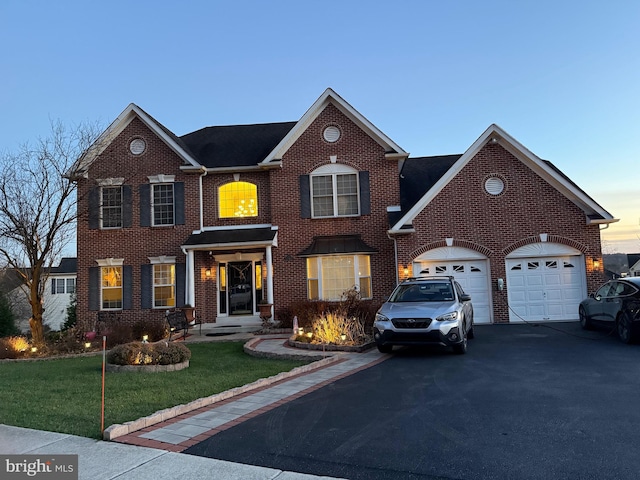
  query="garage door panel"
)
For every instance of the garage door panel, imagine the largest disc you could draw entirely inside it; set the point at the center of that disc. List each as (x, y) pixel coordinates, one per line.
(472, 277)
(545, 288)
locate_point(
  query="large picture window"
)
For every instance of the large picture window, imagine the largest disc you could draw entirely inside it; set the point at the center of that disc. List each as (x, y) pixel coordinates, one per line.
(164, 286)
(163, 211)
(111, 207)
(238, 200)
(330, 276)
(111, 288)
(334, 192)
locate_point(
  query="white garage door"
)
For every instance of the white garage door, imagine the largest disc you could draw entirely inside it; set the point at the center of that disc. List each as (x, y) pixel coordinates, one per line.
(473, 277)
(545, 288)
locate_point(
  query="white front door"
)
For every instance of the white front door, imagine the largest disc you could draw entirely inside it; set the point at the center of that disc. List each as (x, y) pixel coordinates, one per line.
(473, 277)
(545, 288)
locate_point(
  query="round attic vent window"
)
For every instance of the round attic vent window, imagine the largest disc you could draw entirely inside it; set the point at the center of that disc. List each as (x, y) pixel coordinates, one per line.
(137, 146)
(494, 185)
(331, 134)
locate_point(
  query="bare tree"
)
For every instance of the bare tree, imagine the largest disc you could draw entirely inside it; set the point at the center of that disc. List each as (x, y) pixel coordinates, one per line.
(38, 208)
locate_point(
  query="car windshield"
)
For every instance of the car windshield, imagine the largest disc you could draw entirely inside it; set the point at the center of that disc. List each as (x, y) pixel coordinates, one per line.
(423, 292)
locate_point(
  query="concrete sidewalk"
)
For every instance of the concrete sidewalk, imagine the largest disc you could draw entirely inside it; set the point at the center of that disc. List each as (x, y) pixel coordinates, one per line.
(152, 451)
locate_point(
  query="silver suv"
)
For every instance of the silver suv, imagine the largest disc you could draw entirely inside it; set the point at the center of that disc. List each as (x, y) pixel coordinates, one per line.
(425, 311)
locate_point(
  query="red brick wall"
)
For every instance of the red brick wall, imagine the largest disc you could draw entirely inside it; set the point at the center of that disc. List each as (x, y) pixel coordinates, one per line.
(496, 225)
(357, 150)
(137, 243)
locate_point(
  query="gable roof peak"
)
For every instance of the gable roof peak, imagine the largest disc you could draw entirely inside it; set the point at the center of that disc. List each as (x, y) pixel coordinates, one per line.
(329, 96)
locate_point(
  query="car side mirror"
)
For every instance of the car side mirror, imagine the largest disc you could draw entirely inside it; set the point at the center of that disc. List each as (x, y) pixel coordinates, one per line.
(597, 297)
(465, 298)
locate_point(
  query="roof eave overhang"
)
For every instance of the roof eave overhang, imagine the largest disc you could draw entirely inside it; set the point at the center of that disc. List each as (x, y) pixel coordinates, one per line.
(229, 246)
(496, 135)
(601, 221)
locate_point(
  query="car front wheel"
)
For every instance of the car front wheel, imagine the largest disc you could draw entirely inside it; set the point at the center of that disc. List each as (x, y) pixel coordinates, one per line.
(384, 348)
(461, 348)
(624, 325)
(585, 323)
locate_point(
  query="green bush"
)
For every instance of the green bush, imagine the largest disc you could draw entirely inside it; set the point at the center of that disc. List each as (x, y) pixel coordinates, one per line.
(138, 353)
(71, 319)
(7, 319)
(155, 329)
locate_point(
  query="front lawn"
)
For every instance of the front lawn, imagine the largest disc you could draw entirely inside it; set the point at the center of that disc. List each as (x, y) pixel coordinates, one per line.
(64, 395)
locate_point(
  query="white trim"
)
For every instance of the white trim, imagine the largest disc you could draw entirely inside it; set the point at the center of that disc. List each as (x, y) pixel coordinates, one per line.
(236, 227)
(162, 259)
(449, 253)
(239, 257)
(495, 134)
(544, 249)
(331, 97)
(110, 182)
(161, 178)
(110, 262)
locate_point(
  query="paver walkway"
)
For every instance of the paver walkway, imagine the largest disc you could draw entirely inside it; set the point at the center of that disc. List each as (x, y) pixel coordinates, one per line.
(181, 432)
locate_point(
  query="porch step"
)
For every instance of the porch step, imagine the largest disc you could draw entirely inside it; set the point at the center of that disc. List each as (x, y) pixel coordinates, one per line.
(213, 328)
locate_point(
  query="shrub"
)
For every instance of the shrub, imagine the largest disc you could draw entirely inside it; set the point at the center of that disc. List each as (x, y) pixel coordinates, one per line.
(7, 319)
(72, 318)
(138, 353)
(155, 329)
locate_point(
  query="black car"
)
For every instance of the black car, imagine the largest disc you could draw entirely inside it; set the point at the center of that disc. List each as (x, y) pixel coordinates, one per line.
(616, 304)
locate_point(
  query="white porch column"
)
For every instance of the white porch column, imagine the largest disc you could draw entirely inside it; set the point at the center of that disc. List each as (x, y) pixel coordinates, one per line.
(269, 260)
(190, 287)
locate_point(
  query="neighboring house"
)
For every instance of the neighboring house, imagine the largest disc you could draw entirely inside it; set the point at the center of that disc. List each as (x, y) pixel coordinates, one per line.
(633, 260)
(224, 217)
(59, 289)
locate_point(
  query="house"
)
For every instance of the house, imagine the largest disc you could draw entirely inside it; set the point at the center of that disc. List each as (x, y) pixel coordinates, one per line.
(11, 287)
(59, 290)
(633, 260)
(225, 217)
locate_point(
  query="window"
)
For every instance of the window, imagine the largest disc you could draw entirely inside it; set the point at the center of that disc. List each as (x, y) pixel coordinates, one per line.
(62, 285)
(111, 207)
(111, 288)
(164, 285)
(163, 212)
(334, 195)
(238, 200)
(329, 277)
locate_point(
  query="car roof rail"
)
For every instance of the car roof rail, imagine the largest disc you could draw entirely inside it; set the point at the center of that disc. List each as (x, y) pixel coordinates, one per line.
(431, 277)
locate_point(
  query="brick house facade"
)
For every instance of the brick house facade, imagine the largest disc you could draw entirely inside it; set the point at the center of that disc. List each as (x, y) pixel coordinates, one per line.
(225, 217)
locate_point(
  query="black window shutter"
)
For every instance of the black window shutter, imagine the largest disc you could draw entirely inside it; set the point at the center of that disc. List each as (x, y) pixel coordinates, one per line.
(53, 286)
(127, 206)
(94, 288)
(178, 197)
(305, 197)
(365, 196)
(146, 282)
(181, 275)
(145, 205)
(127, 287)
(94, 208)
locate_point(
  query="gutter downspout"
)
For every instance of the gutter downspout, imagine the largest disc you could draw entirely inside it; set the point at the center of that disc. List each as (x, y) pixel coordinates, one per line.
(395, 254)
(202, 175)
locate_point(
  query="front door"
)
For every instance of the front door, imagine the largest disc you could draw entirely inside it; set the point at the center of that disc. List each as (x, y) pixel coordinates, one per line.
(240, 288)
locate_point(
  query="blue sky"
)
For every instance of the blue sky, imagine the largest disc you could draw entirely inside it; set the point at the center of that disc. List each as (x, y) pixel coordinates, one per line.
(562, 77)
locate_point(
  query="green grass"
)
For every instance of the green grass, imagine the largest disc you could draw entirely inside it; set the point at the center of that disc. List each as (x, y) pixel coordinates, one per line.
(64, 395)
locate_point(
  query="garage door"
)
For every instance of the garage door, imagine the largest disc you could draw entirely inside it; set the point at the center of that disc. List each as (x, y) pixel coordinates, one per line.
(472, 275)
(545, 288)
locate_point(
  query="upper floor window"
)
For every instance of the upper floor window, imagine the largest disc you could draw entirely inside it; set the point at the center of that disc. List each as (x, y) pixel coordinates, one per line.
(334, 192)
(238, 200)
(63, 285)
(163, 210)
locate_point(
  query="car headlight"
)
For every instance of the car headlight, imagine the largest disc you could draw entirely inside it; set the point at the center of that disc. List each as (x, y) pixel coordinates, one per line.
(447, 317)
(381, 318)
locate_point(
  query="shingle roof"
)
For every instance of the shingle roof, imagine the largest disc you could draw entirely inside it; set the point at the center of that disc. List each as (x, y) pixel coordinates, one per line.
(235, 145)
(220, 238)
(419, 174)
(336, 245)
(67, 265)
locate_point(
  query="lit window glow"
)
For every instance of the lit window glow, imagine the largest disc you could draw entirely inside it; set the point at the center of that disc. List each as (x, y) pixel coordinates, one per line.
(238, 200)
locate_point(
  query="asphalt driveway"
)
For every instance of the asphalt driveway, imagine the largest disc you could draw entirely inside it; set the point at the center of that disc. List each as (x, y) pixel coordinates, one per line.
(525, 402)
